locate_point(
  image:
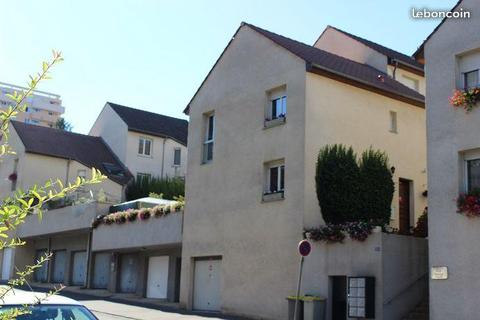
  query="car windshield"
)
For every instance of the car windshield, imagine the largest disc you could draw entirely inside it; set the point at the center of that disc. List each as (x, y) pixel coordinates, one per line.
(52, 312)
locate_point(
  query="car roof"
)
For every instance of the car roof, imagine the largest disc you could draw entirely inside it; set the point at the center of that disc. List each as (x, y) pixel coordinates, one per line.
(20, 297)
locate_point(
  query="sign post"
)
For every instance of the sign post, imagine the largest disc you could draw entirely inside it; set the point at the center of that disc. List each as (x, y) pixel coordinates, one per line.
(304, 248)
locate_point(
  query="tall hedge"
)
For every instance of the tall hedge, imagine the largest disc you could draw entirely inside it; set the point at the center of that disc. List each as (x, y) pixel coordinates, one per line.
(377, 187)
(337, 181)
(168, 187)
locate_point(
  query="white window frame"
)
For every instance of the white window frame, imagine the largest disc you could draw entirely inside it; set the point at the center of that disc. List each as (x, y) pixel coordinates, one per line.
(468, 156)
(142, 153)
(278, 165)
(209, 140)
(143, 175)
(179, 157)
(393, 122)
(283, 112)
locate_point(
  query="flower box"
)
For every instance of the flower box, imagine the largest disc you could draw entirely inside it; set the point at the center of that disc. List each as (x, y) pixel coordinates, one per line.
(469, 203)
(465, 99)
(269, 123)
(273, 196)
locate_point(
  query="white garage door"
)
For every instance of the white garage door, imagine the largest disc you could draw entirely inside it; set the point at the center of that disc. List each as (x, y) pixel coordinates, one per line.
(206, 286)
(101, 270)
(79, 268)
(7, 263)
(157, 277)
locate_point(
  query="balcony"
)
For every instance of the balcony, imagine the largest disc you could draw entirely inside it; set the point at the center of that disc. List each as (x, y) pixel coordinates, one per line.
(154, 231)
(73, 217)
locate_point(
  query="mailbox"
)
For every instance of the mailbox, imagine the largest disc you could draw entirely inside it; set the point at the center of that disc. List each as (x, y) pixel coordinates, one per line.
(361, 297)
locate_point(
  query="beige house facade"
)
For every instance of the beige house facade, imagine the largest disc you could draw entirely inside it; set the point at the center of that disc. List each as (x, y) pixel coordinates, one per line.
(150, 144)
(256, 126)
(452, 56)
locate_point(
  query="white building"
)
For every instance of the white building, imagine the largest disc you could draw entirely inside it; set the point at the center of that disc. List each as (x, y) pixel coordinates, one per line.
(149, 144)
(43, 108)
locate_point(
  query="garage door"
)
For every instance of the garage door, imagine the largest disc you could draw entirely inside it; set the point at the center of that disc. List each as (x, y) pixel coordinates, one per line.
(128, 273)
(206, 286)
(59, 263)
(79, 268)
(157, 281)
(7, 263)
(41, 273)
(101, 270)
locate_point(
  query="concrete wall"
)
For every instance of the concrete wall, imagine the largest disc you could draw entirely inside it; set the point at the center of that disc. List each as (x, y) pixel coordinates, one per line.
(224, 213)
(160, 163)
(451, 132)
(340, 44)
(341, 113)
(71, 218)
(113, 130)
(166, 230)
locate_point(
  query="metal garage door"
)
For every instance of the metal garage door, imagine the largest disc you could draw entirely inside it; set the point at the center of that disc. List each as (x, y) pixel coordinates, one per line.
(101, 270)
(7, 263)
(128, 273)
(59, 264)
(79, 268)
(40, 274)
(157, 281)
(206, 287)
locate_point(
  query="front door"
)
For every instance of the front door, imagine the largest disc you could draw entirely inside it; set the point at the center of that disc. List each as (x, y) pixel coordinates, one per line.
(101, 270)
(128, 273)
(59, 263)
(206, 286)
(79, 268)
(7, 263)
(157, 281)
(404, 206)
(339, 297)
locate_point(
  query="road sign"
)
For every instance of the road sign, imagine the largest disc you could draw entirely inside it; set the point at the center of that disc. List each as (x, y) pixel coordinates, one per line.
(304, 248)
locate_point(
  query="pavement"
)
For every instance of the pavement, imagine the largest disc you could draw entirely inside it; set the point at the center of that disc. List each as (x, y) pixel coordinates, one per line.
(108, 306)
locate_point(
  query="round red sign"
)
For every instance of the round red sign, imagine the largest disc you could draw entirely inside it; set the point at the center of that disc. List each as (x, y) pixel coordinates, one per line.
(304, 248)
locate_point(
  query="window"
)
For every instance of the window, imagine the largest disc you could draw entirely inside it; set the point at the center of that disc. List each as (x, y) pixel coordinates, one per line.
(279, 107)
(411, 83)
(275, 178)
(393, 121)
(473, 174)
(209, 138)
(177, 154)
(144, 146)
(142, 176)
(470, 79)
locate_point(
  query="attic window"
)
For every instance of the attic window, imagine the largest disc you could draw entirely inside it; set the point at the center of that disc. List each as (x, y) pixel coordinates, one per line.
(113, 169)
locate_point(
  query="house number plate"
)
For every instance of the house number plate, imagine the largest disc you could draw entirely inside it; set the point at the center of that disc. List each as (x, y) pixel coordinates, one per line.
(439, 273)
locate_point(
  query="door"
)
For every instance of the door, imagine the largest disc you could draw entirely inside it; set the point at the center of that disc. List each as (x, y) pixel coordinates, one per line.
(101, 270)
(404, 206)
(339, 297)
(206, 286)
(157, 281)
(79, 268)
(128, 273)
(7, 263)
(59, 263)
(41, 274)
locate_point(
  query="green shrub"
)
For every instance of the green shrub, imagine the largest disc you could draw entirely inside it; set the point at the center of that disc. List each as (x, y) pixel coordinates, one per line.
(337, 183)
(377, 187)
(169, 188)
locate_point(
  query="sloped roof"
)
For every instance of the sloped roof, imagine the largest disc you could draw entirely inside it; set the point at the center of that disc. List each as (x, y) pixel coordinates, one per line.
(341, 66)
(335, 67)
(90, 151)
(384, 50)
(152, 123)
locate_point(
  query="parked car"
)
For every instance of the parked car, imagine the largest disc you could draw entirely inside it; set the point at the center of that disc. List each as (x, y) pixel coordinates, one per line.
(40, 307)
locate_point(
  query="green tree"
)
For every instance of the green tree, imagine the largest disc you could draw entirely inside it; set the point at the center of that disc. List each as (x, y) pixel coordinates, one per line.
(15, 208)
(63, 124)
(377, 187)
(338, 183)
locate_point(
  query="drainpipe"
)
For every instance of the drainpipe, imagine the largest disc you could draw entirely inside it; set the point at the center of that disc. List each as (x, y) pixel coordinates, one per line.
(163, 157)
(89, 259)
(395, 69)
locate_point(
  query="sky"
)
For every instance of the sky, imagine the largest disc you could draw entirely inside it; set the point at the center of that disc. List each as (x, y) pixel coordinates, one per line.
(154, 54)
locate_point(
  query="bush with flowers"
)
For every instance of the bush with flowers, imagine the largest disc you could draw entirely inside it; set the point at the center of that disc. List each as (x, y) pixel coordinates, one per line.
(469, 203)
(465, 99)
(330, 233)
